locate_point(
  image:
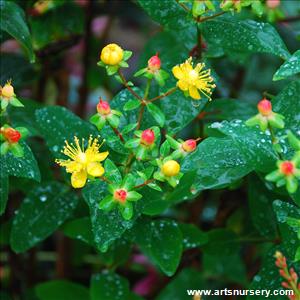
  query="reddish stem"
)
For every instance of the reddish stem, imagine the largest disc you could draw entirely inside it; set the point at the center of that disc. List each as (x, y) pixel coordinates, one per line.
(144, 183)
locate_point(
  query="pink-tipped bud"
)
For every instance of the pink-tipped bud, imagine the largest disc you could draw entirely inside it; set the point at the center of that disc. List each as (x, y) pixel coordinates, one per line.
(11, 135)
(120, 195)
(147, 137)
(287, 168)
(189, 145)
(154, 63)
(103, 107)
(273, 3)
(264, 107)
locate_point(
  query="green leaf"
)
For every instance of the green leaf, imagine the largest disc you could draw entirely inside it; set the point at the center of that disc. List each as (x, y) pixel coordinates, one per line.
(260, 204)
(107, 226)
(193, 237)
(187, 279)
(161, 241)
(112, 173)
(109, 286)
(221, 242)
(61, 289)
(132, 104)
(58, 124)
(13, 22)
(244, 36)
(17, 150)
(289, 68)
(168, 13)
(3, 192)
(80, 229)
(45, 208)
(218, 162)
(286, 103)
(156, 113)
(290, 240)
(25, 166)
(256, 146)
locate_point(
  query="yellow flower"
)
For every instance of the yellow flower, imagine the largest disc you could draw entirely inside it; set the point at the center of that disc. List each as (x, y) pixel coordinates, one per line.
(190, 79)
(82, 162)
(170, 168)
(7, 90)
(112, 54)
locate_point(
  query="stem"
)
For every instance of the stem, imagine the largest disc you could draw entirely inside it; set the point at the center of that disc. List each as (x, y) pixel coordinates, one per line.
(144, 183)
(142, 109)
(266, 94)
(118, 133)
(210, 17)
(183, 6)
(274, 139)
(169, 92)
(128, 163)
(199, 42)
(128, 87)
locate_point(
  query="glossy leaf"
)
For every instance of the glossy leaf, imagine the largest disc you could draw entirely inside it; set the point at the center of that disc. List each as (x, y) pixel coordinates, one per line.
(109, 286)
(168, 13)
(13, 22)
(44, 209)
(161, 241)
(192, 236)
(290, 240)
(25, 166)
(244, 36)
(3, 192)
(289, 68)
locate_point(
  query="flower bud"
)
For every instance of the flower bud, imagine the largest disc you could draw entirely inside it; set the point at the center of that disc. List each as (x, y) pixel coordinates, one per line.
(189, 145)
(103, 107)
(272, 3)
(112, 54)
(147, 137)
(11, 135)
(154, 63)
(264, 107)
(120, 195)
(287, 168)
(7, 91)
(170, 168)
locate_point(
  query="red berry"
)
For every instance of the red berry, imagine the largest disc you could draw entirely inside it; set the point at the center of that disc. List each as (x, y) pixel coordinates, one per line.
(11, 135)
(120, 195)
(264, 107)
(147, 137)
(103, 107)
(287, 168)
(154, 63)
(189, 145)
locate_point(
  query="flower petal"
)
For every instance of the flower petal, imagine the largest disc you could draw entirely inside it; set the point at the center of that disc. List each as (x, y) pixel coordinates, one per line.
(78, 179)
(95, 169)
(177, 72)
(183, 85)
(100, 156)
(194, 92)
(73, 166)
